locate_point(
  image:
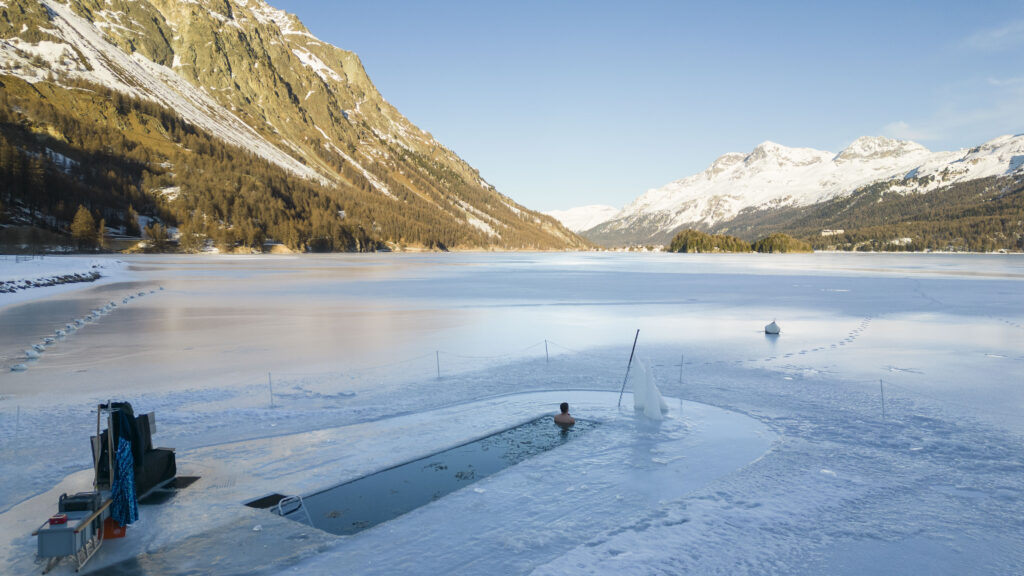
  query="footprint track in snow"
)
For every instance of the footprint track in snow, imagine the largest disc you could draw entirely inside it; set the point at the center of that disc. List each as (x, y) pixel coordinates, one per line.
(850, 338)
(35, 352)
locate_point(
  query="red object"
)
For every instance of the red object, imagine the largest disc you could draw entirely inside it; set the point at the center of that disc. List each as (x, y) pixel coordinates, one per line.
(112, 529)
(61, 518)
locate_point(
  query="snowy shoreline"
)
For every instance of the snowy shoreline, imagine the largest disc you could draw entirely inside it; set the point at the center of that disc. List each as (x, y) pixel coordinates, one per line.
(11, 286)
(42, 277)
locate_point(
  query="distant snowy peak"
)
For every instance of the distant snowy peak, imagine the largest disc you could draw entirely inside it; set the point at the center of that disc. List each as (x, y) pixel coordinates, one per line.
(723, 163)
(998, 157)
(876, 147)
(774, 176)
(584, 217)
(772, 154)
(1003, 148)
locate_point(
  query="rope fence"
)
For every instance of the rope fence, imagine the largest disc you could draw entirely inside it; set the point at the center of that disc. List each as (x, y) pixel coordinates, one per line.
(882, 388)
(447, 362)
(440, 364)
(886, 384)
(443, 363)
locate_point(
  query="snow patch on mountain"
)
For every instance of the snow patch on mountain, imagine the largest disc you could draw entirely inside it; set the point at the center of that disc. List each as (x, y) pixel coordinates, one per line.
(584, 217)
(310, 60)
(16, 55)
(373, 180)
(873, 147)
(478, 218)
(267, 14)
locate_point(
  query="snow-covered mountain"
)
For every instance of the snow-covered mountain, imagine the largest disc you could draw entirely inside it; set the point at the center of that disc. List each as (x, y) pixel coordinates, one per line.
(773, 176)
(584, 217)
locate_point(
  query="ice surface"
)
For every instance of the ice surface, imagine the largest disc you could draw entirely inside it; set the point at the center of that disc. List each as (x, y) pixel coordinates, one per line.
(290, 374)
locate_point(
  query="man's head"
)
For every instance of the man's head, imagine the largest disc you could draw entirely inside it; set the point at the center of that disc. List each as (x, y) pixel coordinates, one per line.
(564, 407)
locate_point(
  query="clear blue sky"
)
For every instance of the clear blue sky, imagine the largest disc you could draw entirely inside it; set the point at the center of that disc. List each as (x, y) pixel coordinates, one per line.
(562, 104)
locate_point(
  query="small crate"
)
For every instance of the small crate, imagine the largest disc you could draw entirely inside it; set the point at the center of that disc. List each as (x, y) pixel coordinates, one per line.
(55, 540)
(111, 529)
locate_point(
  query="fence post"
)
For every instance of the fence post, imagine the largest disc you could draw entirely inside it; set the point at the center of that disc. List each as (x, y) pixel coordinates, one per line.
(270, 384)
(881, 386)
(547, 358)
(437, 356)
(628, 366)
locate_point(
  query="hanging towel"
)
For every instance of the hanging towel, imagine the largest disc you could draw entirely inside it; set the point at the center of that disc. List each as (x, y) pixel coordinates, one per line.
(124, 506)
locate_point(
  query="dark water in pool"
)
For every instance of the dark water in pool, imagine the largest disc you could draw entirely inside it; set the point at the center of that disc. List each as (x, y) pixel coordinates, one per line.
(354, 506)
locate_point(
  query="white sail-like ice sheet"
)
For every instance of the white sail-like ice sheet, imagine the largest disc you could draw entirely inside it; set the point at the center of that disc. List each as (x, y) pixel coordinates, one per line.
(646, 396)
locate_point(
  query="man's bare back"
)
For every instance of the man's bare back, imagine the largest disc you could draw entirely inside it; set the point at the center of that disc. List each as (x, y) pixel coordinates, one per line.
(564, 419)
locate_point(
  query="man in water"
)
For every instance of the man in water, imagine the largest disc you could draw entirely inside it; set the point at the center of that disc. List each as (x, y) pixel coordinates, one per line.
(564, 419)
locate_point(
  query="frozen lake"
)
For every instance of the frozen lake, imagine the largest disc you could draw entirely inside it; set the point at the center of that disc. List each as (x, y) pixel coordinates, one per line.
(230, 350)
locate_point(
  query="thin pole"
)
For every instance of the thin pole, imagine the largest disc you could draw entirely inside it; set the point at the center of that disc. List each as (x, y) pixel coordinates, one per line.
(632, 352)
(547, 358)
(437, 356)
(881, 386)
(17, 422)
(270, 384)
(99, 450)
(110, 444)
(681, 358)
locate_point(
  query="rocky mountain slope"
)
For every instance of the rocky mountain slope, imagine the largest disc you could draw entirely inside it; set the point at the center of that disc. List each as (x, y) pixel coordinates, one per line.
(256, 79)
(773, 178)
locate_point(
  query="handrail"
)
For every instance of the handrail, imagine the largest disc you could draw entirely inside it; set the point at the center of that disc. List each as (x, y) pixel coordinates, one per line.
(301, 506)
(93, 516)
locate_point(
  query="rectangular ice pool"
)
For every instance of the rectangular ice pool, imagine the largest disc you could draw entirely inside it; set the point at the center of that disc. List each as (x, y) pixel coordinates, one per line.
(359, 504)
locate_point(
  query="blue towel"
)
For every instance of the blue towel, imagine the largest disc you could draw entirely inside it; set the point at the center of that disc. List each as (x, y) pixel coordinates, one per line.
(124, 506)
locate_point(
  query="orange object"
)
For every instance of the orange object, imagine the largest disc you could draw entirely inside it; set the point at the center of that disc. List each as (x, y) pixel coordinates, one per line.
(112, 529)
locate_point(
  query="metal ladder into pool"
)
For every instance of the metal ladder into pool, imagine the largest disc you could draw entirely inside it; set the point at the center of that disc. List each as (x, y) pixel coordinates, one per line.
(293, 504)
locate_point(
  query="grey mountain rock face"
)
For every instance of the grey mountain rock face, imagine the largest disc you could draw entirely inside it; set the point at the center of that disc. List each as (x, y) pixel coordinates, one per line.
(256, 77)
